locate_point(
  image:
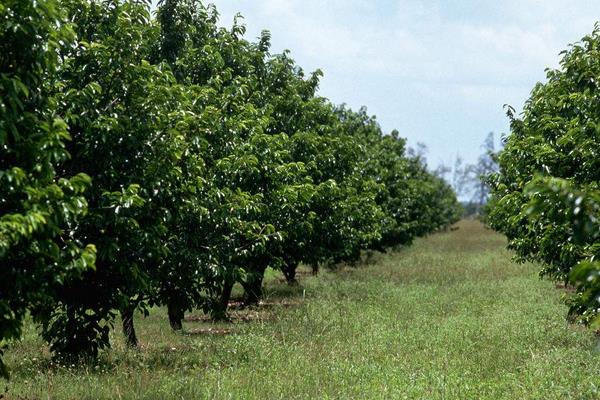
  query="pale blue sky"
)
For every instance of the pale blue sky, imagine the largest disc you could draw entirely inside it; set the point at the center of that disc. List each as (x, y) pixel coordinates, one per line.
(438, 71)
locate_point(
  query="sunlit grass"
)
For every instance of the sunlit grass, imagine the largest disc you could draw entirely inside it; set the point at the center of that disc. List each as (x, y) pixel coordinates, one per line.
(451, 317)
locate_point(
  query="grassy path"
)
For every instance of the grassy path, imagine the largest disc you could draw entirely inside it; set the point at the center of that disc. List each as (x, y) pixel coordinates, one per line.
(449, 318)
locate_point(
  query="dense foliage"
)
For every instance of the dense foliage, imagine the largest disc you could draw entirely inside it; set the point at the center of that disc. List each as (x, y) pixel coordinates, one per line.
(546, 195)
(160, 161)
(37, 207)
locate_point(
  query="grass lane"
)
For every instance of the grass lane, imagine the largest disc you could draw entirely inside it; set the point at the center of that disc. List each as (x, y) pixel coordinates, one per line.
(452, 317)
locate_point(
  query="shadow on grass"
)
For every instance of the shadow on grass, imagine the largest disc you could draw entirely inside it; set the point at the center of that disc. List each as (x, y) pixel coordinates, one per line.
(277, 296)
(278, 293)
(209, 332)
(239, 313)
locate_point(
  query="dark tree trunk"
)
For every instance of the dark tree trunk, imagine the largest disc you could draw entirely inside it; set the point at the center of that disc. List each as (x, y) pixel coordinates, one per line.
(253, 287)
(175, 315)
(128, 327)
(315, 269)
(370, 255)
(220, 311)
(80, 341)
(289, 271)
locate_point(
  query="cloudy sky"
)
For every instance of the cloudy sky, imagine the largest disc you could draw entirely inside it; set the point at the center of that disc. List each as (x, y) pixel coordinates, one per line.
(439, 71)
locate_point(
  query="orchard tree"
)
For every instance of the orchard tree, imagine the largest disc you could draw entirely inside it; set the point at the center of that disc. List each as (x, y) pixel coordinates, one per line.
(126, 123)
(579, 209)
(549, 172)
(245, 167)
(37, 208)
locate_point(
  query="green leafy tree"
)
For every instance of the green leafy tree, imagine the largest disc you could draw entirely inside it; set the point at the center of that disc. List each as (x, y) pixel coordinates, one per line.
(560, 200)
(37, 208)
(128, 124)
(550, 172)
(242, 162)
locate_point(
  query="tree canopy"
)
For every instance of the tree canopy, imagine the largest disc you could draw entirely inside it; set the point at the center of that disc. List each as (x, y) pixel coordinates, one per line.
(545, 197)
(160, 159)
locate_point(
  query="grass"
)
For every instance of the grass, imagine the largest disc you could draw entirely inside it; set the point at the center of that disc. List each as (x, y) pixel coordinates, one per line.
(452, 317)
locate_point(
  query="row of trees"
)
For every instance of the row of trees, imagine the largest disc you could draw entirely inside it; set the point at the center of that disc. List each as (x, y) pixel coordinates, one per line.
(546, 197)
(161, 160)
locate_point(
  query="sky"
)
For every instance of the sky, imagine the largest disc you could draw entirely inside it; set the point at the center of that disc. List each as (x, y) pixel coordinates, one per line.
(438, 71)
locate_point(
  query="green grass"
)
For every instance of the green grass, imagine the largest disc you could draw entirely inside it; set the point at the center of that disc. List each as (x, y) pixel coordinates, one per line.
(450, 318)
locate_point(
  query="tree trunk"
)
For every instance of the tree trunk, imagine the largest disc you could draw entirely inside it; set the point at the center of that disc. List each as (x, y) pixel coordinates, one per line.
(128, 327)
(253, 287)
(370, 255)
(315, 269)
(220, 311)
(289, 271)
(175, 315)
